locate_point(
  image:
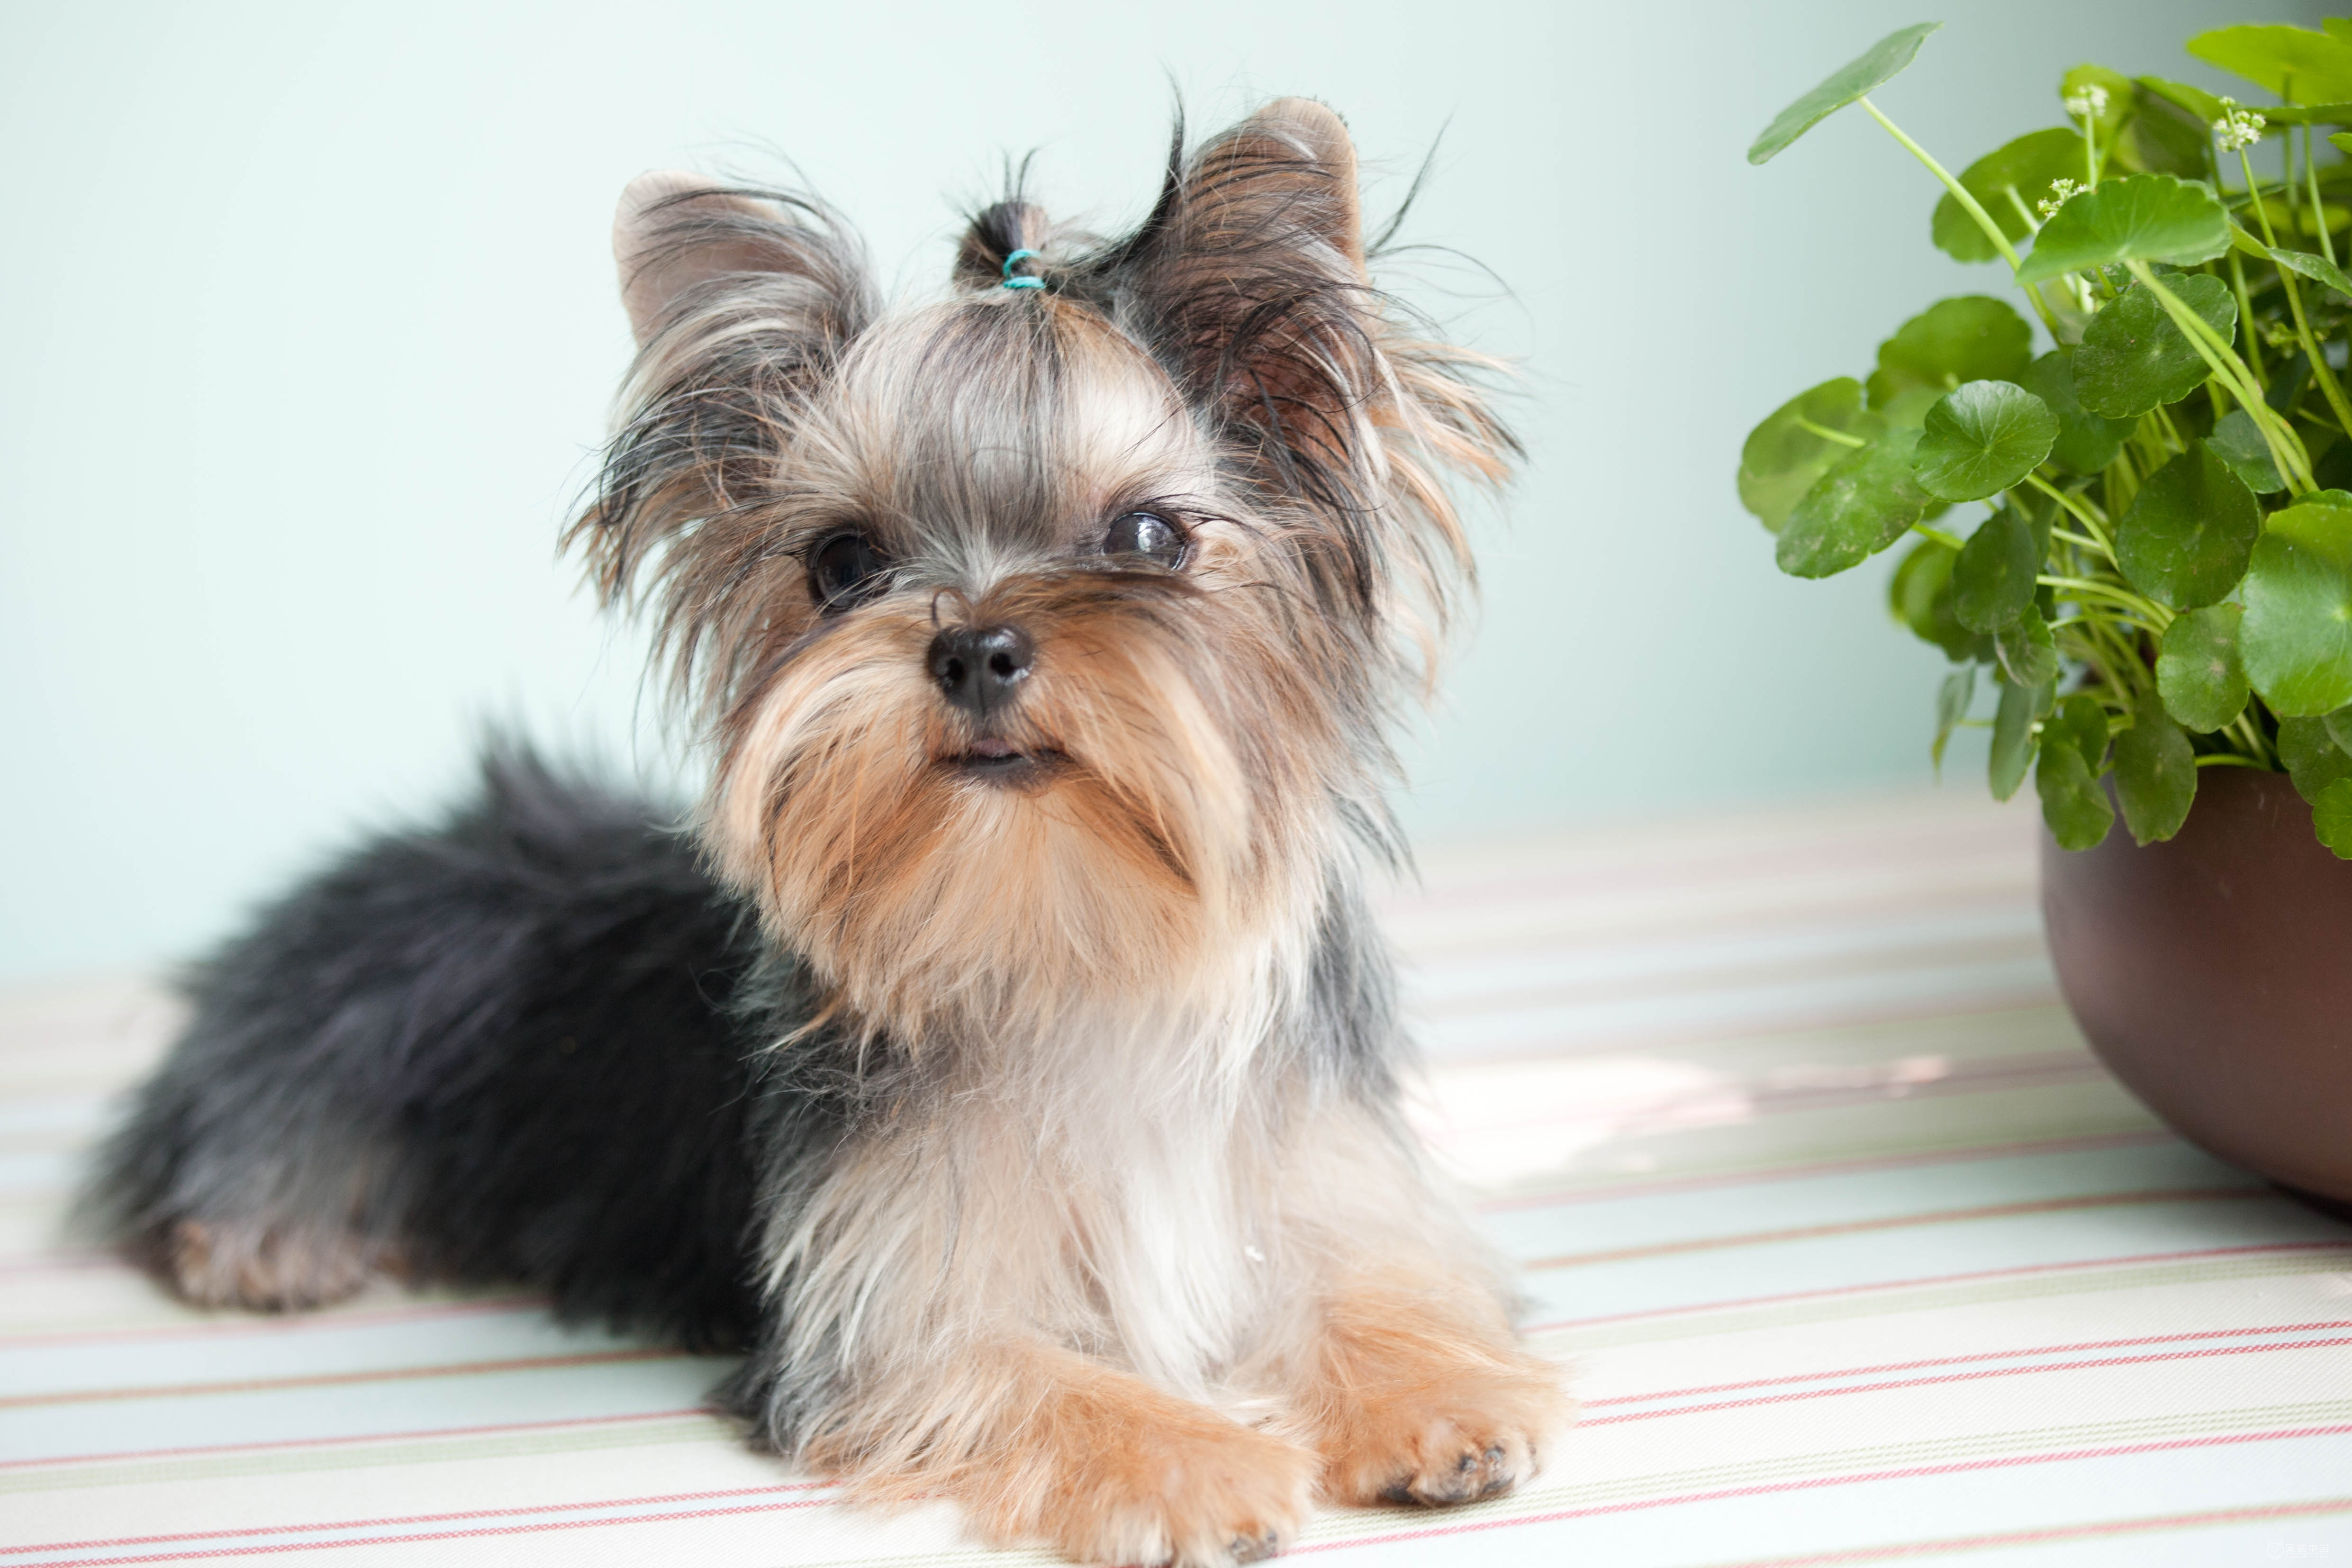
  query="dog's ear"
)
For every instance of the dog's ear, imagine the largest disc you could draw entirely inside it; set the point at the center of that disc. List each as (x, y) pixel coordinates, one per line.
(742, 301)
(680, 239)
(1248, 279)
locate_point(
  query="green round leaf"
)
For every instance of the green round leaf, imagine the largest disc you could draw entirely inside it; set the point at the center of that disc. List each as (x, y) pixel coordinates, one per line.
(2331, 817)
(1882, 60)
(1992, 581)
(2298, 64)
(2314, 761)
(1782, 459)
(1920, 594)
(2198, 673)
(2133, 358)
(2318, 268)
(2238, 441)
(2073, 804)
(2026, 654)
(2141, 217)
(2156, 774)
(2012, 735)
(2080, 722)
(2195, 100)
(2190, 530)
(2339, 726)
(1971, 338)
(1980, 438)
(2163, 139)
(2006, 183)
(1864, 502)
(2296, 640)
(2087, 442)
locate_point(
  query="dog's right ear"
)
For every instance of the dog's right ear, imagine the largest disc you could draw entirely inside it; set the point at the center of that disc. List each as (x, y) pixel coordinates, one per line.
(681, 240)
(742, 301)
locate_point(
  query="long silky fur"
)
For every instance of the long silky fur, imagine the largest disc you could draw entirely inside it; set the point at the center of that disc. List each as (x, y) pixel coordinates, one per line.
(1025, 1133)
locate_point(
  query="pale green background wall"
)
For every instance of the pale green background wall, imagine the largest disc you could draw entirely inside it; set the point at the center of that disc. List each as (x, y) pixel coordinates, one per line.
(307, 327)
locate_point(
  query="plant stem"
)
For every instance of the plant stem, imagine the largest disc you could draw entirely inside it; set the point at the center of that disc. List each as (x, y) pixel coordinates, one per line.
(1826, 434)
(1951, 540)
(2246, 314)
(1969, 204)
(2230, 760)
(2318, 209)
(2329, 387)
(2075, 510)
(2147, 609)
(2285, 446)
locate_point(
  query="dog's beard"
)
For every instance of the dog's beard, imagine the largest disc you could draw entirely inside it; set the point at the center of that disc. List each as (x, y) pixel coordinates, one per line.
(1157, 828)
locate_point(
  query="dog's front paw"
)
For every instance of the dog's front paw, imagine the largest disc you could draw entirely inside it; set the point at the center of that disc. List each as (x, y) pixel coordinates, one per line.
(1451, 1437)
(1198, 1492)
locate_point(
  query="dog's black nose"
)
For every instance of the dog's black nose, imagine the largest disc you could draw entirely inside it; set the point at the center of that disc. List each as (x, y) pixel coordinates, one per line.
(978, 667)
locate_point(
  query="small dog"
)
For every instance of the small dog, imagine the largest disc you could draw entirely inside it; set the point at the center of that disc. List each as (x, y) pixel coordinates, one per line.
(1008, 1061)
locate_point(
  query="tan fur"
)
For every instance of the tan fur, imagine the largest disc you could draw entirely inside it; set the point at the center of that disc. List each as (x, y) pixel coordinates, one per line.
(1414, 1390)
(1099, 1464)
(1130, 1260)
(270, 1270)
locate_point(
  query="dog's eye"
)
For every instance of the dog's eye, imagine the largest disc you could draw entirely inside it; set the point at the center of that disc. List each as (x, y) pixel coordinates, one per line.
(1146, 534)
(846, 570)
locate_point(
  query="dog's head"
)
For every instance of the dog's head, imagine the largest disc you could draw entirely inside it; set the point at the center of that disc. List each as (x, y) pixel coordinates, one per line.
(1046, 636)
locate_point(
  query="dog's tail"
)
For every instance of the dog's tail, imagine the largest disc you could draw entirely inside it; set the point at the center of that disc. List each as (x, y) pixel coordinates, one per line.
(500, 1048)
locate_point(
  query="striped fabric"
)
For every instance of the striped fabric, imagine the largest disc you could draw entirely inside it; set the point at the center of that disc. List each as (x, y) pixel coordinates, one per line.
(1857, 1256)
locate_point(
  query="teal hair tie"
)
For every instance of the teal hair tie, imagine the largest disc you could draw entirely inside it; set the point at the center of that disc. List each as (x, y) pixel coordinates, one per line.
(1013, 282)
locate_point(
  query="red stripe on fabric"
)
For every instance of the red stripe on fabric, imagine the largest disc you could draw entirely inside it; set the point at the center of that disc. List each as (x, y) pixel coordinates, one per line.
(1961, 1361)
(122, 1455)
(2021, 1272)
(2051, 1534)
(1768, 1488)
(1830, 961)
(485, 1532)
(299, 1322)
(338, 1379)
(1772, 1026)
(2027, 1208)
(2026, 1150)
(2208, 1354)
(408, 1519)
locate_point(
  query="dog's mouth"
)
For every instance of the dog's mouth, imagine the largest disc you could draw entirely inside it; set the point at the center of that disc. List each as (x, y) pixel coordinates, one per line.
(995, 760)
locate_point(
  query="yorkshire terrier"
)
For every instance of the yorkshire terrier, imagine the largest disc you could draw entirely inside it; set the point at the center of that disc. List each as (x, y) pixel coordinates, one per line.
(1006, 1060)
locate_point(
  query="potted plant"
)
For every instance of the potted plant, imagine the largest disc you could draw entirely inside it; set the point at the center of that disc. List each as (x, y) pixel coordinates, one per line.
(2131, 534)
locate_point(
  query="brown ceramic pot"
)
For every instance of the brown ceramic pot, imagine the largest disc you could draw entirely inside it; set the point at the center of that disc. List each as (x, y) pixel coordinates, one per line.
(2213, 974)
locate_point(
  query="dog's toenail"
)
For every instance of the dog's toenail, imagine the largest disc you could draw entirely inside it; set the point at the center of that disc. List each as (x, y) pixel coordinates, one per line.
(1469, 1463)
(1495, 1455)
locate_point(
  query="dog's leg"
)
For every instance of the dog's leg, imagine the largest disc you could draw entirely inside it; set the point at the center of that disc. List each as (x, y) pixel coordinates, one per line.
(1042, 1444)
(1399, 1364)
(1415, 1391)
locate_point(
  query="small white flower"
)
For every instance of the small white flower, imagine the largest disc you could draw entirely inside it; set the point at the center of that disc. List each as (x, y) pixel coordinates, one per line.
(2061, 193)
(2238, 128)
(2088, 102)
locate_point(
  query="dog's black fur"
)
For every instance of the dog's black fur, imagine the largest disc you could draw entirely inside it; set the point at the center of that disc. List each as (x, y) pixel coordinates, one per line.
(521, 1006)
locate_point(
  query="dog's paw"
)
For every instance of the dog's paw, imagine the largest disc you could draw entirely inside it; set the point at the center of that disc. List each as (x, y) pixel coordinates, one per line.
(1203, 1492)
(1454, 1437)
(265, 1270)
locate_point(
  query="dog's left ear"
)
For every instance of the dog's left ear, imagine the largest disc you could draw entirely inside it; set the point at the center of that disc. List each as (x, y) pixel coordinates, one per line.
(1248, 279)
(1250, 274)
